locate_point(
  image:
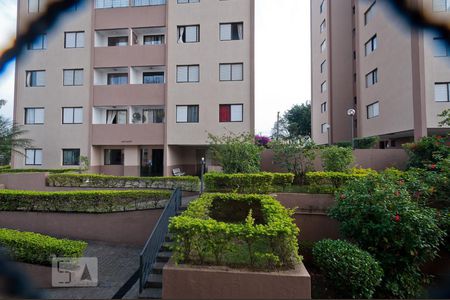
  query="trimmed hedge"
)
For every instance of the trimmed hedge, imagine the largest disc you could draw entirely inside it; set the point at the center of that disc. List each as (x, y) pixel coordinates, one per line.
(39, 249)
(352, 272)
(82, 201)
(186, 183)
(257, 183)
(7, 170)
(253, 231)
(337, 179)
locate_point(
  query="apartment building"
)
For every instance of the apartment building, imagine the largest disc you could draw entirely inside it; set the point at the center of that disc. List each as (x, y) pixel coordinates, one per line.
(364, 57)
(135, 85)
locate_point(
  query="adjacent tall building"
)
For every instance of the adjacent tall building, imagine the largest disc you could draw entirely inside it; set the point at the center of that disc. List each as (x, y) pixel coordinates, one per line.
(135, 85)
(364, 57)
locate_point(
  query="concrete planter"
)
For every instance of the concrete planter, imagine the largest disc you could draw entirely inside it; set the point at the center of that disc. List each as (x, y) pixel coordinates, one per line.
(201, 282)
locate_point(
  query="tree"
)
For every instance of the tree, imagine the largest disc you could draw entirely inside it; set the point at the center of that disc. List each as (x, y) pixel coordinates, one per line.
(446, 118)
(295, 123)
(294, 155)
(236, 153)
(11, 140)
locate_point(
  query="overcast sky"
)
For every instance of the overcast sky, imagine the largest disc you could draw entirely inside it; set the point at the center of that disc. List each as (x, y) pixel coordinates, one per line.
(282, 57)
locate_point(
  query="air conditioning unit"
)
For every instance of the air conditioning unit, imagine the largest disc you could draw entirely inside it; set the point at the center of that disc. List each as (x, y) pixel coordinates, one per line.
(137, 117)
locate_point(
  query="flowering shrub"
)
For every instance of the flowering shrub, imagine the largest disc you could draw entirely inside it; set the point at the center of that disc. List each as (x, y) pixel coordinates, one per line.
(262, 140)
(428, 152)
(380, 216)
(352, 272)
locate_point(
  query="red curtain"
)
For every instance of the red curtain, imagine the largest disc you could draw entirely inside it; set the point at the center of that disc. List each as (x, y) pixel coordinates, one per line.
(225, 113)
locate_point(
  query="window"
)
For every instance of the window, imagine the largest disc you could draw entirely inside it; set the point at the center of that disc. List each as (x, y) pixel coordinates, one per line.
(117, 78)
(35, 78)
(188, 73)
(188, 34)
(231, 31)
(324, 128)
(323, 66)
(442, 92)
(323, 87)
(114, 41)
(441, 47)
(74, 39)
(231, 113)
(371, 45)
(187, 113)
(33, 6)
(71, 157)
(111, 3)
(72, 115)
(373, 110)
(33, 157)
(231, 72)
(323, 26)
(40, 43)
(73, 77)
(323, 46)
(187, 1)
(155, 115)
(153, 77)
(154, 39)
(323, 107)
(323, 6)
(441, 5)
(116, 116)
(370, 12)
(372, 78)
(148, 2)
(34, 116)
(113, 157)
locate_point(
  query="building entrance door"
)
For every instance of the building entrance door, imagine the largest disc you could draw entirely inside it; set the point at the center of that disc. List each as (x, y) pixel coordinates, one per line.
(152, 162)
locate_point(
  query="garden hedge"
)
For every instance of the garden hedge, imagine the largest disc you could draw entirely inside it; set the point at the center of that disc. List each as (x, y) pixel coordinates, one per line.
(7, 170)
(82, 201)
(36, 248)
(257, 183)
(337, 179)
(352, 272)
(251, 231)
(186, 183)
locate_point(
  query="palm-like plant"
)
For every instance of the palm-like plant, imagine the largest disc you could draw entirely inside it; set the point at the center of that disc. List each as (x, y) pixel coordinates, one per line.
(11, 140)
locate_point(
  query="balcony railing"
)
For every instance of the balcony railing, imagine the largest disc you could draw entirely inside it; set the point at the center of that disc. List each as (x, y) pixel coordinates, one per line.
(127, 3)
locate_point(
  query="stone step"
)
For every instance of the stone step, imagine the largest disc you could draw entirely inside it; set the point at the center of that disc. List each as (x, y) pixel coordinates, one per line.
(157, 268)
(151, 294)
(163, 256)
(154, 281)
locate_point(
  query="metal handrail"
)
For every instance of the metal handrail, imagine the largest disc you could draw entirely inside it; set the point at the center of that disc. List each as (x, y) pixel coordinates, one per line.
(156, 239)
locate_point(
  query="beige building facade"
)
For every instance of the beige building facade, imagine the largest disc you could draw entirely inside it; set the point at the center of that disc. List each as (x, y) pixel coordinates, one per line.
(397, 79)
(136, 85)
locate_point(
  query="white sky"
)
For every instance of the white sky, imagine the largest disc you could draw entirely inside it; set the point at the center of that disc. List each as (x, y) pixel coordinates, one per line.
(282, 57)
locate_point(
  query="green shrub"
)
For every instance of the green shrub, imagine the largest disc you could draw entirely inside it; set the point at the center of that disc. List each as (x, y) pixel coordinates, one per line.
(427, 152)
(186, 183)
(30, 170)
(82, 201)
(337, 179)
(36, 248)
(352, 272)
(236, 153)
(344, 144)
(258, 183)
(253, 231)
(337, 159)
(282, 179)
(379, 215)
(367, 142)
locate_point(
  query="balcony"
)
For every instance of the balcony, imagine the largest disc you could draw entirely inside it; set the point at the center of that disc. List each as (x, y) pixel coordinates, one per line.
(127, 134)
(130, 16)
(135, 55)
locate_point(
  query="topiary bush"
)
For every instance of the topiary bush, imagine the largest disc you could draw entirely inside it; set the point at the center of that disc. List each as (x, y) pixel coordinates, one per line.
(253, 231)
(337, 159)
(352, 272)
(82, 201)
(186, 183)
(38, 249)
(379, 215)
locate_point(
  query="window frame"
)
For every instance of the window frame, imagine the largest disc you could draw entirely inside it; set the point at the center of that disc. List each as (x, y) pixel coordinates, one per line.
(231, 71)
(108, 75)
(368, 11)
(118, 110)
(34, 156)
(368, 110)
(373, 43)
(71, 149)
(230, 108)
(26, 111)
(188, 73)
(31, 74)
(187, 112)
(76, 39)
(197, 26)
(73, 115)
(122, 157)
(73, 77)
(448, 91)
(38, 7)
(373, 76)
(324, 107)
(43, 37)
(231, 33)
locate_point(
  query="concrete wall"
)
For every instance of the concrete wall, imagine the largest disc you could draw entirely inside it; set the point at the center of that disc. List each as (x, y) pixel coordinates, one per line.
(377, 159)
(127, 228)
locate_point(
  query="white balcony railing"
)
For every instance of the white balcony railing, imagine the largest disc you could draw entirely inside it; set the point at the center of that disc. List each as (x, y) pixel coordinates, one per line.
(126, 3)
